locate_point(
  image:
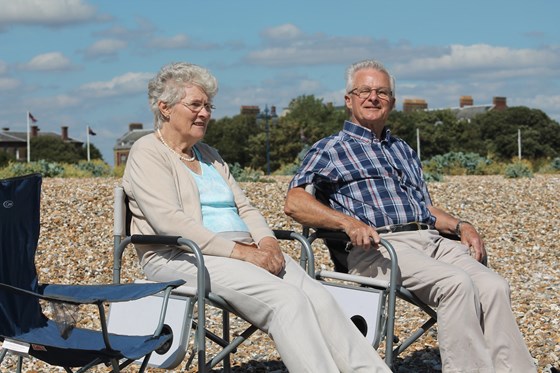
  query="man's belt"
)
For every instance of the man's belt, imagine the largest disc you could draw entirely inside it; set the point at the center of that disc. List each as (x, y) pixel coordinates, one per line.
(408, 227)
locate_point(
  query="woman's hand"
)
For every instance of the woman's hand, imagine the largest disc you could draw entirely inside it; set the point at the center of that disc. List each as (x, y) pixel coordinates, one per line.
(266, 255)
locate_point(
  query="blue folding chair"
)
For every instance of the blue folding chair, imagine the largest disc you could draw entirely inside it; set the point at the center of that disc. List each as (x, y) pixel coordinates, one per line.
(26, 331)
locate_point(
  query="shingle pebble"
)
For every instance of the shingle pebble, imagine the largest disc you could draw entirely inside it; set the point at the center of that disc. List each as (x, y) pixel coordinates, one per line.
(518, 218)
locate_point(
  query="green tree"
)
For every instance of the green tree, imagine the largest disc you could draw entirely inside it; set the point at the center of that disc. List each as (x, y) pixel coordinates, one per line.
(54, 149)
(307, 120)
(5, 158)
(230, 136)
(434, 128)
(540, 134)
(94, 153)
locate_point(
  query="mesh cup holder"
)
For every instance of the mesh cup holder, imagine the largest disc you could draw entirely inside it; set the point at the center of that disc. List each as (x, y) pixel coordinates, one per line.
(360, 323)
(166, 330)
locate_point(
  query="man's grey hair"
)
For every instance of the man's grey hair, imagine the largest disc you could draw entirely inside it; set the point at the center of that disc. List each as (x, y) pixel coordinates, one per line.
(169, 86)
(366, 64)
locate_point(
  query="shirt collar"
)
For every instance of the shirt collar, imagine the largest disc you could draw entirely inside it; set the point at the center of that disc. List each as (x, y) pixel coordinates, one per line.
(363, 134)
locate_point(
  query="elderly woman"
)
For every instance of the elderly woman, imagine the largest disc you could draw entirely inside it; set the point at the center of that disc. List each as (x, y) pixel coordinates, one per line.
(179, 186)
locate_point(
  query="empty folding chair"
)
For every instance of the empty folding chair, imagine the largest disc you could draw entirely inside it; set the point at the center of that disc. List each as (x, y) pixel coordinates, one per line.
(24, 327)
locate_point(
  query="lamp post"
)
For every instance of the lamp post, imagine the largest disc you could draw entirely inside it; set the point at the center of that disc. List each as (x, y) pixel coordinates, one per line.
(267, 115)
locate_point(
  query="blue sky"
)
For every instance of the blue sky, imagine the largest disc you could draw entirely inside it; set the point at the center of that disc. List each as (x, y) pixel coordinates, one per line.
(83, 62)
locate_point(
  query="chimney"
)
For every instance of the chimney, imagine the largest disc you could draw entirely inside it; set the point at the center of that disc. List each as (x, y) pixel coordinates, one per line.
(64, 133)
(466, 101)
(413, 104)
(500, 103)
(34, 131)
(135, 126)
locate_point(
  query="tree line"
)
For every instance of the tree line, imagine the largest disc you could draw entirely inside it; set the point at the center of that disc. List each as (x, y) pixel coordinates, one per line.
(241, 139)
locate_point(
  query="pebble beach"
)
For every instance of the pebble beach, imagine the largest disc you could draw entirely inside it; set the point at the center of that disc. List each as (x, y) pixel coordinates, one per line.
(518, 219)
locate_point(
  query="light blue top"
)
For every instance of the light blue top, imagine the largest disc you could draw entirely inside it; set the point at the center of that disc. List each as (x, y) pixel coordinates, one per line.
(219, 213)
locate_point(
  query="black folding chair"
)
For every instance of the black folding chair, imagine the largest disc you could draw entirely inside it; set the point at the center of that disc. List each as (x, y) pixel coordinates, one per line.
(25, 330)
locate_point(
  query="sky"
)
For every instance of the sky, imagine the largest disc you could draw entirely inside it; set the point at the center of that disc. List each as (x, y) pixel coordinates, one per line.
(80, 63)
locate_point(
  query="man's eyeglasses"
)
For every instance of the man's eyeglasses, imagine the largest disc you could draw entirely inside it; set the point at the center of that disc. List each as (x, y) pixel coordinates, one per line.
(196, 107)
(365, 92)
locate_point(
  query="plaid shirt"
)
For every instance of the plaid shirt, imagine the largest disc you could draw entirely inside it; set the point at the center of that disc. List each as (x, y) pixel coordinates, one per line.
(378, 182)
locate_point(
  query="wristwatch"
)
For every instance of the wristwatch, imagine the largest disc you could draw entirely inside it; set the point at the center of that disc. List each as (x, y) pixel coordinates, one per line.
(458, 227)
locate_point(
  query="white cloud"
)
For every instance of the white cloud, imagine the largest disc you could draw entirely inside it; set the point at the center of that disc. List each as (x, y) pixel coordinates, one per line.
(3, 67)
(144, 29)
(56, 102)
(53, 61)
(179, 41)
(289, 49)
(550, 104)
(118, 86)
(175, 42)
(480, 59)
(283, 32)
(51, 13)
(8, 84)
(104, 48)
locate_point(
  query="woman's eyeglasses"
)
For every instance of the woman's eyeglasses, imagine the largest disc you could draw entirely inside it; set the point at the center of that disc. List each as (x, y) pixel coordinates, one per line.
(196, 107)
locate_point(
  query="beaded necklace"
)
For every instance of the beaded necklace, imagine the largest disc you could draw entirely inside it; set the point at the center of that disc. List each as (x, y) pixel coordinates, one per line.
(181, 156)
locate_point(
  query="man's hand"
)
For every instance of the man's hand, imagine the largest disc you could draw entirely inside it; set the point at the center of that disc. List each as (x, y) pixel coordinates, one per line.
(361, 234)
(471, 239)
(266, 255)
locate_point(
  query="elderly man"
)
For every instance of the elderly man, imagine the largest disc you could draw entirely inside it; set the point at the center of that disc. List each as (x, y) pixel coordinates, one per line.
(375, 188)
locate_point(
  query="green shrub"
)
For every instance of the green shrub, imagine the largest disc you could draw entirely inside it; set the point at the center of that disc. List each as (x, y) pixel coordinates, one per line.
(552, 167)
(287, 170)
(70, 170)
(518, 169)
(118, 171)
(429, 177)
(457, 163)
(83, 169)
(493, 168)
(47, 169)
(245, 174)
(95, 168)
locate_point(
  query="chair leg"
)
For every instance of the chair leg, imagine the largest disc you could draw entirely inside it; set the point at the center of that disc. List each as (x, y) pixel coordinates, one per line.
(144, 363)
(19, 364)
(225, 334)
(3, 353)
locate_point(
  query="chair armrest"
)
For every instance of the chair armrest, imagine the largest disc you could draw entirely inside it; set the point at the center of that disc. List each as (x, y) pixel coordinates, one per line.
(94, 294)
(307, 258)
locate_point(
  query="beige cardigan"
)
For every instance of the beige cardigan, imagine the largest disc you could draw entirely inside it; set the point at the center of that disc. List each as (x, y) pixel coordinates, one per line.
(164, 199)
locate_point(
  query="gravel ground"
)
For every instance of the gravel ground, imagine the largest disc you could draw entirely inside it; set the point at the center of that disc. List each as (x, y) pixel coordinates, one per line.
(518, 218)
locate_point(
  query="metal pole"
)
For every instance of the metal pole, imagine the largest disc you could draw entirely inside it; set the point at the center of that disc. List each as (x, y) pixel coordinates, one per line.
(87, 142)
(267, 115)
(519, 143)
(418, 141)
(28, 141)
(267, 144)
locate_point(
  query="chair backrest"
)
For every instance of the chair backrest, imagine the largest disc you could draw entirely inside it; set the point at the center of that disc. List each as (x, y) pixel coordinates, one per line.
(20, 199)
(337, 248)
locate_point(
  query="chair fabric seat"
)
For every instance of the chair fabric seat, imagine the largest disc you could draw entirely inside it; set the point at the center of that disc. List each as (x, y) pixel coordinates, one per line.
(82, 345)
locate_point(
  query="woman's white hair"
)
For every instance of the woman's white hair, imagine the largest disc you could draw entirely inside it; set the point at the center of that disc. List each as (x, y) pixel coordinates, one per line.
(169, 86)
